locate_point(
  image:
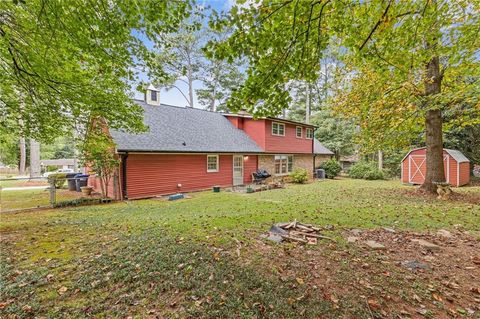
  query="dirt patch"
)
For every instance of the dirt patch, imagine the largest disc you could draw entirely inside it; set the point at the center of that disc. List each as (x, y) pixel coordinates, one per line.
(405, 279)
(471, 198)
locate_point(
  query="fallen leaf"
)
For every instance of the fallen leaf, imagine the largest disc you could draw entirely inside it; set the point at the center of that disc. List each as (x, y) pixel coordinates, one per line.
(300, 281)
(373, 303)
(62, 290)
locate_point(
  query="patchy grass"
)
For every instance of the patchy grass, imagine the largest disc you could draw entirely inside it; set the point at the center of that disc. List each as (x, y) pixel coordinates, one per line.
(32, 198)
(23, 182)
(181, 259)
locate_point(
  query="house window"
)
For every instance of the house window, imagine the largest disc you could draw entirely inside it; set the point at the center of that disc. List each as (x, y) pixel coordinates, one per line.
(212, 163)
(283, 164)
(153, 95)
(278, 129)
(309, 133)
(299, 131)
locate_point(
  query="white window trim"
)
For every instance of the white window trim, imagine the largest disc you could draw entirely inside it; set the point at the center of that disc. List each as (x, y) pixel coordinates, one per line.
(287, 156)
(301, 131)
(306, 133)
(284, 128)
(218, 164)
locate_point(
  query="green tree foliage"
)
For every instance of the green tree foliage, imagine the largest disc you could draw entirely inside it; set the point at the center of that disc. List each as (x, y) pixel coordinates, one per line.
(220, 79)
(65, 61)
(9, 150)
(465, 139)
(409, 62)
(98, 153)
(335, 132)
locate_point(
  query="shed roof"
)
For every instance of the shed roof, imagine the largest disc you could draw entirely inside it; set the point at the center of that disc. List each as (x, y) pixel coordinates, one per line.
(181, 129)
(319, 149)
(457, 155)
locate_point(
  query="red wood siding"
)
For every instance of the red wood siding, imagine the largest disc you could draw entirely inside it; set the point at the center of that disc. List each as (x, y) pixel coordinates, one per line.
(414, 169)
(256, 130)
(261, 132)
(464, 174)
(250, 163)
(159, 174)
(288, 143)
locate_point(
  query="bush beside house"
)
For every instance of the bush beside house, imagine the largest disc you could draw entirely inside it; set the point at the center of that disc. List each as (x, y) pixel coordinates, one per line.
(366, 170)
(332, 168)
(299, 176)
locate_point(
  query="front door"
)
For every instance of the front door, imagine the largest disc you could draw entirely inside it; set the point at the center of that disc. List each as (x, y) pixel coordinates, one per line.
(237, 170)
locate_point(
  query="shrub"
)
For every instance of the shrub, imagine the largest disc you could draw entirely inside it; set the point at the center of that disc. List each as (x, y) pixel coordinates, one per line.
(58, 178)
(299, 175)
(366, 170)
(332, 168)
(374, 174)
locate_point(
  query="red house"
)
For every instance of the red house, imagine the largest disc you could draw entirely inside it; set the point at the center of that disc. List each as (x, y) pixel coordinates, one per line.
(187, 149)
(456, 166)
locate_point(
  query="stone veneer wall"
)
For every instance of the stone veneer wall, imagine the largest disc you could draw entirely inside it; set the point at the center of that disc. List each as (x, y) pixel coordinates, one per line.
(305, 161)
(319, 159)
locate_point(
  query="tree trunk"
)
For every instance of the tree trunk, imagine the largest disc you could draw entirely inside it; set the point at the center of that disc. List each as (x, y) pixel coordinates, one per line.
(35, 170)
(307, 105)
(190, 86)
(433, 130)
(380, 160)
(23, 155)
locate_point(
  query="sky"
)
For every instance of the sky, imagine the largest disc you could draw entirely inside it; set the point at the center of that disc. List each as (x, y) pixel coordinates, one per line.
(173, 96)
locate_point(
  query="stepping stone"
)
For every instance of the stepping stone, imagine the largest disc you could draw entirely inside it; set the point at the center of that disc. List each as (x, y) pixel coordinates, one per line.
(352, 239)
(356, 232)
(277, 230)
(374, 245)
(275, 238)
(444, 233)
(415, 264)
(426, 244)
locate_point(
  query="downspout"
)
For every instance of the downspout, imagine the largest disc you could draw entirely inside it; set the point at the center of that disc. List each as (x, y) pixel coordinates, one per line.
(124, 176)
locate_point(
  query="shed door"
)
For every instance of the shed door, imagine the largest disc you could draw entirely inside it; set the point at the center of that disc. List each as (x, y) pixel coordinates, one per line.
(418, 168)
(237, 170)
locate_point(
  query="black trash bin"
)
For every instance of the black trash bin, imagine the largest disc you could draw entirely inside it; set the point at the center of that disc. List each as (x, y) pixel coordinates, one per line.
(72, 185)
(81, 181)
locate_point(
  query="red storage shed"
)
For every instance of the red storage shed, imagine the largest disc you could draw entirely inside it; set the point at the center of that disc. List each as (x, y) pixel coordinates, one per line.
(456, 165)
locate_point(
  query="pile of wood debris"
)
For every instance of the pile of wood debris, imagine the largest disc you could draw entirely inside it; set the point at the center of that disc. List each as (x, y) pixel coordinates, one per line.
(296, 232)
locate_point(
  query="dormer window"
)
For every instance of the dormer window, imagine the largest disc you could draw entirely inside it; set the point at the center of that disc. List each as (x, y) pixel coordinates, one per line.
(278, 129)
(153, 95)
(299, 131)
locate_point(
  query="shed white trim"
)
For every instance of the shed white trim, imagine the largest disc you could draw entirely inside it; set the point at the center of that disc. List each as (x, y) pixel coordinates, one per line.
(457, 155)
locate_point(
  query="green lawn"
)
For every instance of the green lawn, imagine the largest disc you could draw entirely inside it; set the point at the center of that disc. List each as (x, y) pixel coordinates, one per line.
(32, 198)
(153, 258)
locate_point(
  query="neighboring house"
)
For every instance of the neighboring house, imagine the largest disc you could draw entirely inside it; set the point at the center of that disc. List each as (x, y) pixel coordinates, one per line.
(187, 149)
(62, 163)
(320, 153)
(348, 161)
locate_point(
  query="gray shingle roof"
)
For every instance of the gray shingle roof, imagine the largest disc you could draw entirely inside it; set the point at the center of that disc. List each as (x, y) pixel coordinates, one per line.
(457, 155)
(180, 129)
(319, 149)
